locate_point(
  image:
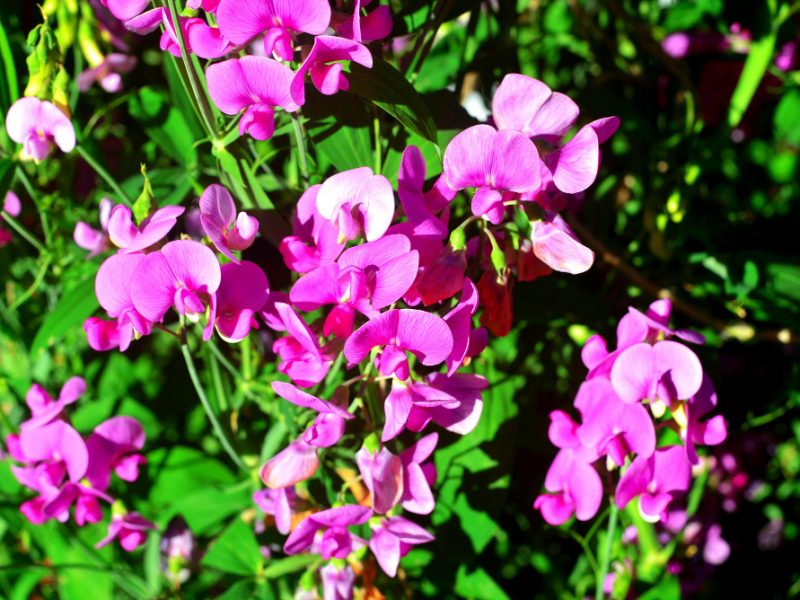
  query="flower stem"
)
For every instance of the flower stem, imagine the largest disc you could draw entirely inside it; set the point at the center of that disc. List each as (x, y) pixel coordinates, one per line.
(23, 233)
(301, 148)
(605, 556)
(215, 424)
(376, 127)
(104, 175)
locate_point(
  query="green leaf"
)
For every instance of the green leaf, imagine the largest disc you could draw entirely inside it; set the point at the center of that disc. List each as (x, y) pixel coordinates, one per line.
(75, 306)
(787, 117)
(669, 588)
(291, 564)
(386, 87)
(235, 551)
(179, 468)
(784, 279)
(165, 124)
(757, 63)
(478, 585)
(344, 147)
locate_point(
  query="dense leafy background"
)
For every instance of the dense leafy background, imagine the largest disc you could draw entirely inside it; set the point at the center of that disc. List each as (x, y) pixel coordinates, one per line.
(684, 203)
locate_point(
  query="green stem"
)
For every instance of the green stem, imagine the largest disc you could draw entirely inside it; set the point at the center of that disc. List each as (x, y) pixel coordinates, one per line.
(605, 557)
(26, 183)
(104, 175)
(216, 378)
(215, 424)
(301, 148)
(37, 282)
(23, 233)
(376, 127)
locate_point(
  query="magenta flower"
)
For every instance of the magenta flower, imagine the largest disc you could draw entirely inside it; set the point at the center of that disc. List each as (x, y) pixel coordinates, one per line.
(225, 230)
(280, 504)
(443, 277)
(302, 359)
(365, 279)
(243, 291)
(557, 246)
(357, 201)
(337, 582)
(242, 20)
(575, 488)
(199, 37)
(183, 274)
(114, 445)
(460, 322)
(86, 501)
(656, 320)
(113, 288)
(328, 427)
(423, 334)
(108, 73)
(254, 84)
(56, 442)
(494, 162)
(528, 106)
(125, 9)
(665, 372)
(656, 480)
(419, 476)
(375, 25)
(710, 432)
(91, 239)
(611, 426)
(130, 529)
(38, 125)
(392, 539)
(382, 474)
(11, 206)
(207, 5)
(323, 62)
(44, 409)
(315, 241)
(420, 206)
(336, 540)
(295, 463)
(124, 234)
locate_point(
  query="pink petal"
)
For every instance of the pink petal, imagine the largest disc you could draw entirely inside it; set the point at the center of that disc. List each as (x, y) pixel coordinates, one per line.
(113, 282)
(242, 20)
(240, 82)
(574, 166)
(557, 247)
(301, 398)
(527, 105)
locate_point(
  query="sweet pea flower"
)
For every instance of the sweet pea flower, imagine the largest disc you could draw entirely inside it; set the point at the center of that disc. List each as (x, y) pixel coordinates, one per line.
(280, 504)
(337, 582)
(295, 463)
(375, 25)
(557, 246)
(357, 201)
(419, 476)
(382, 474)
(254, 84)
(124, 234)
(113, 288)
(125, 9)
(108, 73)
(226, 231)
(442, 278)
(323, 62)
(328, 427)
(114, 445)
(198, 36)
(528, 106)
(44, 409)
(336, 540)
(656, 320)
(209, 6)
(494, 162)
(392, 539)
(242, 20)
(459, 320)
(655, 480)
(575, 488)
(365, 279)
(184, 274)
(38, 125)
(178, 550)
(86, 501)
(91, 239)
(130, 529)
(454, 403)
(710, 432)
(243, 291)
(314, 242)
(56, 442)
(662, 373)
(302, 359)
(425, 335)
(12, 207)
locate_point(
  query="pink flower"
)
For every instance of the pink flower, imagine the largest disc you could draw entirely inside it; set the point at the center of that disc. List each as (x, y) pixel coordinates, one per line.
(225, 230)
(113, 287)
(124, 234)
(323, 63)
(392, 539)
(655, 479)
(114, 445)
(494, 162)
(12, 206)
(38, 125)
(375, 25)
(336, 540)
(91, 239)
(125, 9)
(315, 241)
(337, 582)
(357, 201)
(527, 105)
(575, 488)
(56, 442)
(207, 5)
(130, 529)
(242, 20)
(419, 476)
(366, 278)
(254, 84)
(555, 244)
(459, 319)
(243, 291)
(710, 432)
(382, 474)
(328, 427)
(302, 359)
(108, 73)
(183, 274)
(295, 463)
(425, 335)
(44, 409)
(199, 37)
(280, 504)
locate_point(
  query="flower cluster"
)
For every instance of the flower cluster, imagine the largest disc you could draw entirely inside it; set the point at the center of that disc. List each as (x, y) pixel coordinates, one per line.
(644, 408)
(70, 472)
